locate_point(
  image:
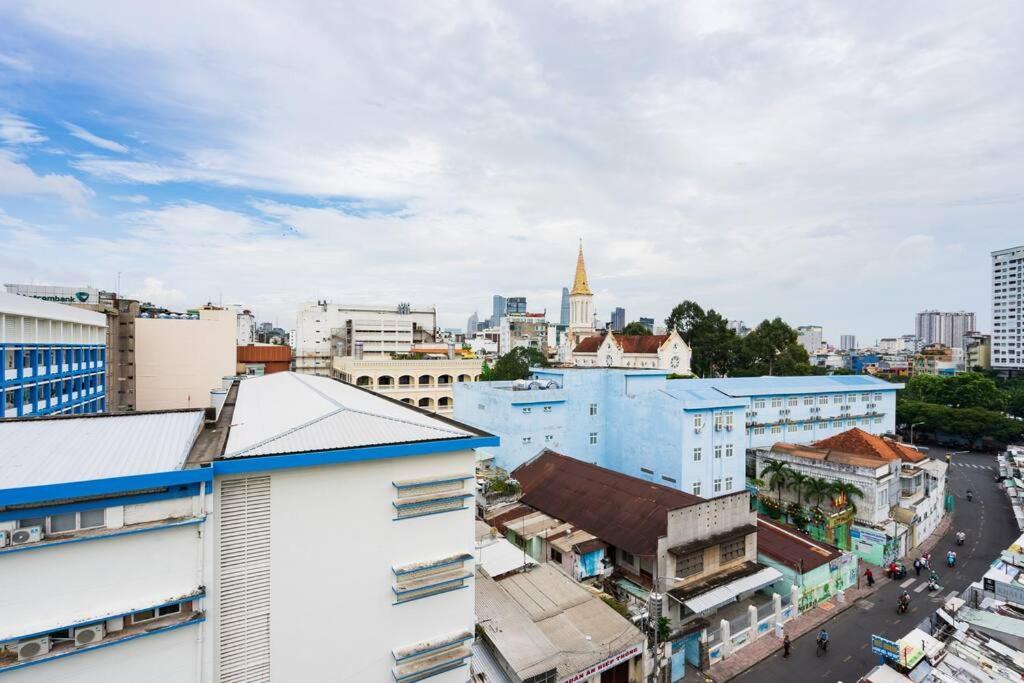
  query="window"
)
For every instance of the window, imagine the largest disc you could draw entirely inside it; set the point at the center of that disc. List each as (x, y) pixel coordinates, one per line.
(547, 409)
(67, 521)
(556, 556)
(728, 450)
(883, 497)
(792, 401)
(878, 397)
(696, 454)
(668, 479)
(776, 429)
(865, 397)
(548, 438)
(791, 427)
(527, 410)
(758, 431)
(695, 488)
(728, 483)
(728, 420)
(718, 420)
(837, 399)
(527, 439)
(593, 409)
(758, 403)
(626, 557)
(732, 550)
(32, 521)
(593, 438)
(808, 426)
(718, 485)
(878, 420)
(776, 401)
(718, 452)
(698, 421)
(851, 398)
(646, 471)
(63, 522)
(144, 615)
(851, 423)
(823, 400)
(690, 565)
(808, 400)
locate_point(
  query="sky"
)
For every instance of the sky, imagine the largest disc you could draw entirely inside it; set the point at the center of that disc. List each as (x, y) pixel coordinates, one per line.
(840, 164)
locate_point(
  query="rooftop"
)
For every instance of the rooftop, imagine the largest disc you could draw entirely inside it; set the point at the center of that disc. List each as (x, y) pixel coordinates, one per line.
(796, 550)
(854, 447)
(16, 304)
(629, 343)
(810, 384)
(62, 450)
(624, 511)
(287, 412)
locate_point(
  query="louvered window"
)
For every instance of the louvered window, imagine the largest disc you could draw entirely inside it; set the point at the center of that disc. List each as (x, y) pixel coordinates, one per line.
(244, 636)
(422, 580)
(420, 662)
(430, 496)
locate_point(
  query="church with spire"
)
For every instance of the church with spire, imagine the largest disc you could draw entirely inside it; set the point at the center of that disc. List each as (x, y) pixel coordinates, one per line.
(581, 302)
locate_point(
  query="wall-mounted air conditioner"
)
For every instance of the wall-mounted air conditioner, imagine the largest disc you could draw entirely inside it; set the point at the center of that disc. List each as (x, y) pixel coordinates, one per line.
(89, 634)
(5, 538)
(30, 534)
(36, 647)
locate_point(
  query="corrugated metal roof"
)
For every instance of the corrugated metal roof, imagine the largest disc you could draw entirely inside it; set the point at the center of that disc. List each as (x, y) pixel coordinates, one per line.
(291, 413)
(810, 384)
(695, 398)
(498, 557)
(792, 548)
(723, 594)
(39, 452)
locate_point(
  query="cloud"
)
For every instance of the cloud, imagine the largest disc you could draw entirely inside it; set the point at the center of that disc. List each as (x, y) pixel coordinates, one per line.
(153, 290)
(15, 63)
(130, 198)
(18, 179)
(95, 140)
(15, 130)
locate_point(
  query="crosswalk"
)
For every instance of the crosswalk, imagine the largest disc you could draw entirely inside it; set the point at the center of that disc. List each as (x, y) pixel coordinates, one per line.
(977, 467)
(922, 585)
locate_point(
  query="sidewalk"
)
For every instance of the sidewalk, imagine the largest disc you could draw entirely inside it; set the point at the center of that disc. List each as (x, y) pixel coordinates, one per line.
(764, 647)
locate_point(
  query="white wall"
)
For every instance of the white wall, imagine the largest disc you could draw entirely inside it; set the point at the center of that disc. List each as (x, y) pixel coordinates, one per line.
(333, 546)
(160, 658)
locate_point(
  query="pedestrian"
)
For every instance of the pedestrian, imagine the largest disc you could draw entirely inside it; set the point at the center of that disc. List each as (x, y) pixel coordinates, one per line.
(785, 646)
(917, 567)
(870, 576)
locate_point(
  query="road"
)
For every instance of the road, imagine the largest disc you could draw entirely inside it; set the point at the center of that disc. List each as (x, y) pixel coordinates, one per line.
(990, 527)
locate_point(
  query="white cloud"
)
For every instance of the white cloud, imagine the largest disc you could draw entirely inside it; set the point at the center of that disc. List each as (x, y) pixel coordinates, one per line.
(18, 179)
(15, 130)
(154, 291)
(94, 140)
(130, 198)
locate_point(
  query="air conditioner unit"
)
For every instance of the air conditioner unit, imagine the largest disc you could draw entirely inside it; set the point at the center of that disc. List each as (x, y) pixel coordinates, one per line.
(89, 634)
(30, 534)
(728, 428)
(5, 538)
(718, 427)
(28, 649)
(696, 429)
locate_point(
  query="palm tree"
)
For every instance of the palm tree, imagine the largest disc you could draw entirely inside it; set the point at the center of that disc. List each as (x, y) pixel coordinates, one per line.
(797, 480)
(778, 473)
(817, 489)
(845, 492)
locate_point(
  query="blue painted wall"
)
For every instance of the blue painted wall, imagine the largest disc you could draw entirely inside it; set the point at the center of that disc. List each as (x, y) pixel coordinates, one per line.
(45, 379)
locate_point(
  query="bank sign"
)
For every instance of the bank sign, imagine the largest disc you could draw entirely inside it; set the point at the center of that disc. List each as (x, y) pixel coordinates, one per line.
(614, 660)
(59, 295)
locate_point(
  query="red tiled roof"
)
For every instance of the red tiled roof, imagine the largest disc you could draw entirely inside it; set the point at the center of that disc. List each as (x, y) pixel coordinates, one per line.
(858, 442)
(641, 343)
(792, 548)
(589, 344)
(624, 511)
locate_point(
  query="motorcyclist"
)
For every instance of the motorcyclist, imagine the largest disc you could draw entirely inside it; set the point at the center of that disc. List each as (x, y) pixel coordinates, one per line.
(960, 537)
(951, 558)
(970, 495)
(823, 639)
(904, 601)
(933, 581)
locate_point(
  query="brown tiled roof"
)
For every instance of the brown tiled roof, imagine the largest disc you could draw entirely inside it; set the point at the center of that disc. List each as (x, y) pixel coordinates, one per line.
(792, 548)
(641, 343)
(858, 442)
(589, 344)
(624, 511)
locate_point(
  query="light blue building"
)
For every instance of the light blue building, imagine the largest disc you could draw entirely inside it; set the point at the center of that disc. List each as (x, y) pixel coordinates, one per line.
(54, 358)
(689, 434)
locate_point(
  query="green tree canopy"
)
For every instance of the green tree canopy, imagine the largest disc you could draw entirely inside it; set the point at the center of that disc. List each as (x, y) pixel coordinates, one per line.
(965, 390)
(514, 365)
(772, 349)
(635, 328)
(713, 345)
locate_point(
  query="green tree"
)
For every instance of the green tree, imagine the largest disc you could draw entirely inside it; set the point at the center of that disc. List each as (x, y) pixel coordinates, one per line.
(635, 328)
(973, 390)
(515, 364)
(777, 474)
(817, 489)
(713, 345)
(797, 481)
(772, 349)
(1015, 404)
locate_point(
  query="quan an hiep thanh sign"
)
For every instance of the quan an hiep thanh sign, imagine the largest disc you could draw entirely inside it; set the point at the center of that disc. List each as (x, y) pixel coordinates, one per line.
(614, 660)
(885, 647)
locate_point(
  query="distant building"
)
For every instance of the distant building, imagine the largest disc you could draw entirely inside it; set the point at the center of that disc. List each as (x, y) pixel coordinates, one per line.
(936, 327)
(648, 323)
(1007, 310)
(472, 325)
(376, 330)
(977, 351)
(499, 307)
(424, 382)
(890, 345)
(739, 327)
(515, 305)
(847, 342)
(180, 360)
(263, 359)
(563, 318)
(246, 330)
(661, 351)
(54, 358)
(581, 303)
(911, 343)
(618, 319)
(809, 337)
(938, 359)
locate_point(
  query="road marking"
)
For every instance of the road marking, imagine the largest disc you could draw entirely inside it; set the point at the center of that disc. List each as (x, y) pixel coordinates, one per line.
(921, 588)
(908, 582)
(848, 658)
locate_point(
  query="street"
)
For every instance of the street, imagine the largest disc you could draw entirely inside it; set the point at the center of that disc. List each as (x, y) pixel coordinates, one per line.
(990, 527)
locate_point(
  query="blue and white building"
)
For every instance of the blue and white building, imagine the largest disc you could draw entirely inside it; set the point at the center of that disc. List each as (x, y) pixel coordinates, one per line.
(300, 529)
(54, 358)
(689, 434)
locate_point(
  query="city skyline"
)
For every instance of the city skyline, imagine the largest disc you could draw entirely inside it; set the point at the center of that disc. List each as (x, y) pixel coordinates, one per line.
(200, 166)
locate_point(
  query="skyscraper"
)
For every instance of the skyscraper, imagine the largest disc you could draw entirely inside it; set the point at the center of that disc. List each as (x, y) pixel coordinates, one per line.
(936, 327)
(648, 323)
(472, 324)
(498, 310)
(563, 318)
(618, 319)
(848, 342)
(1008, 309)
(515, 305)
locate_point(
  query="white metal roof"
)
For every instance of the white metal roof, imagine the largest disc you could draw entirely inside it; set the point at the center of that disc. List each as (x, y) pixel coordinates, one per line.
(723, 594)
(498, 557)
(59, 451)
(15, 304)
(287, 412)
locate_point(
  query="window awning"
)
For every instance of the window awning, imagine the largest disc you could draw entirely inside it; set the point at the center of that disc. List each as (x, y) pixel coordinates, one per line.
(714, 598)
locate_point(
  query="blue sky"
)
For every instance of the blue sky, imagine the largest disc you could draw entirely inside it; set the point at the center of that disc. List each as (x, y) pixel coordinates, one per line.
(838, 165)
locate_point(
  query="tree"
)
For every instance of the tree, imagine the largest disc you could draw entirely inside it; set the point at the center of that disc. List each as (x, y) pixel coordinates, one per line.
(635, 328)
(515, 364)
(777, 474)
(817, 489)
(713, 345)
(772, 349)
(845, 492)
(797, 481)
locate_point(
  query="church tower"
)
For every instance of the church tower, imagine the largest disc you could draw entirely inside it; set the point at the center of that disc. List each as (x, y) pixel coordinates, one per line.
(581, 301)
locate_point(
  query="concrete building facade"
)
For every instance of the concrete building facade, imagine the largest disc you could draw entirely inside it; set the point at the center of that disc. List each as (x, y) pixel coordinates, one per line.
(948, 328)
(658, 351)
(426, 382)
(54, 358)
(809, 337)
(1008, 310)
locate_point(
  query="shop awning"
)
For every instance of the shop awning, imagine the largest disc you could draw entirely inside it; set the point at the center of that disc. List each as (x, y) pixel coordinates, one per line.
(705, 602)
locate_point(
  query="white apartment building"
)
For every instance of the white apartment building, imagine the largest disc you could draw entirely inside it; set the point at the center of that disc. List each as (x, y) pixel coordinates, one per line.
(314, 530)
(359, 331)
(1008, 309)
(809, 337)
(423, 382)
(937, 327)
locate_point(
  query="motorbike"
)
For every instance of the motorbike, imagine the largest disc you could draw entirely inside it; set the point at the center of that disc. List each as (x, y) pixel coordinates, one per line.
(902, 606)
(970, 496)
(933, 585)
(950, 561)
(959, 540)
(897, 572)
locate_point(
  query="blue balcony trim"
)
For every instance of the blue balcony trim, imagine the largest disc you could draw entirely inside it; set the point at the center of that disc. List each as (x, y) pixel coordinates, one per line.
(439, 669)
(101, 487)
(431, 595)
(431, 482)
(98, 537)
(458, 579)
(423, 503)
(197, 594)
(182, 491)
(459, 559)
(427, 514)
(439, 646)
(239, 465)
(100, 646)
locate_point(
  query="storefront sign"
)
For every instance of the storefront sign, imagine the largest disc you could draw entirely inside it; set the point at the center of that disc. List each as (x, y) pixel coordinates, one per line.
(885, 648)
(614, 660)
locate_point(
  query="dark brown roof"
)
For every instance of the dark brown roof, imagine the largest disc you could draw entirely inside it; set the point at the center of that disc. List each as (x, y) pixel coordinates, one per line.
(260, 353)
(641, 343)
(858, 442)
(691, 590)
(589, 344)
(708, 541)
(624, 511)
(792, 548)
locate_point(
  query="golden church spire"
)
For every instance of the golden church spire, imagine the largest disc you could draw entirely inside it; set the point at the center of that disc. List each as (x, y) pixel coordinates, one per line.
(579, 285)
